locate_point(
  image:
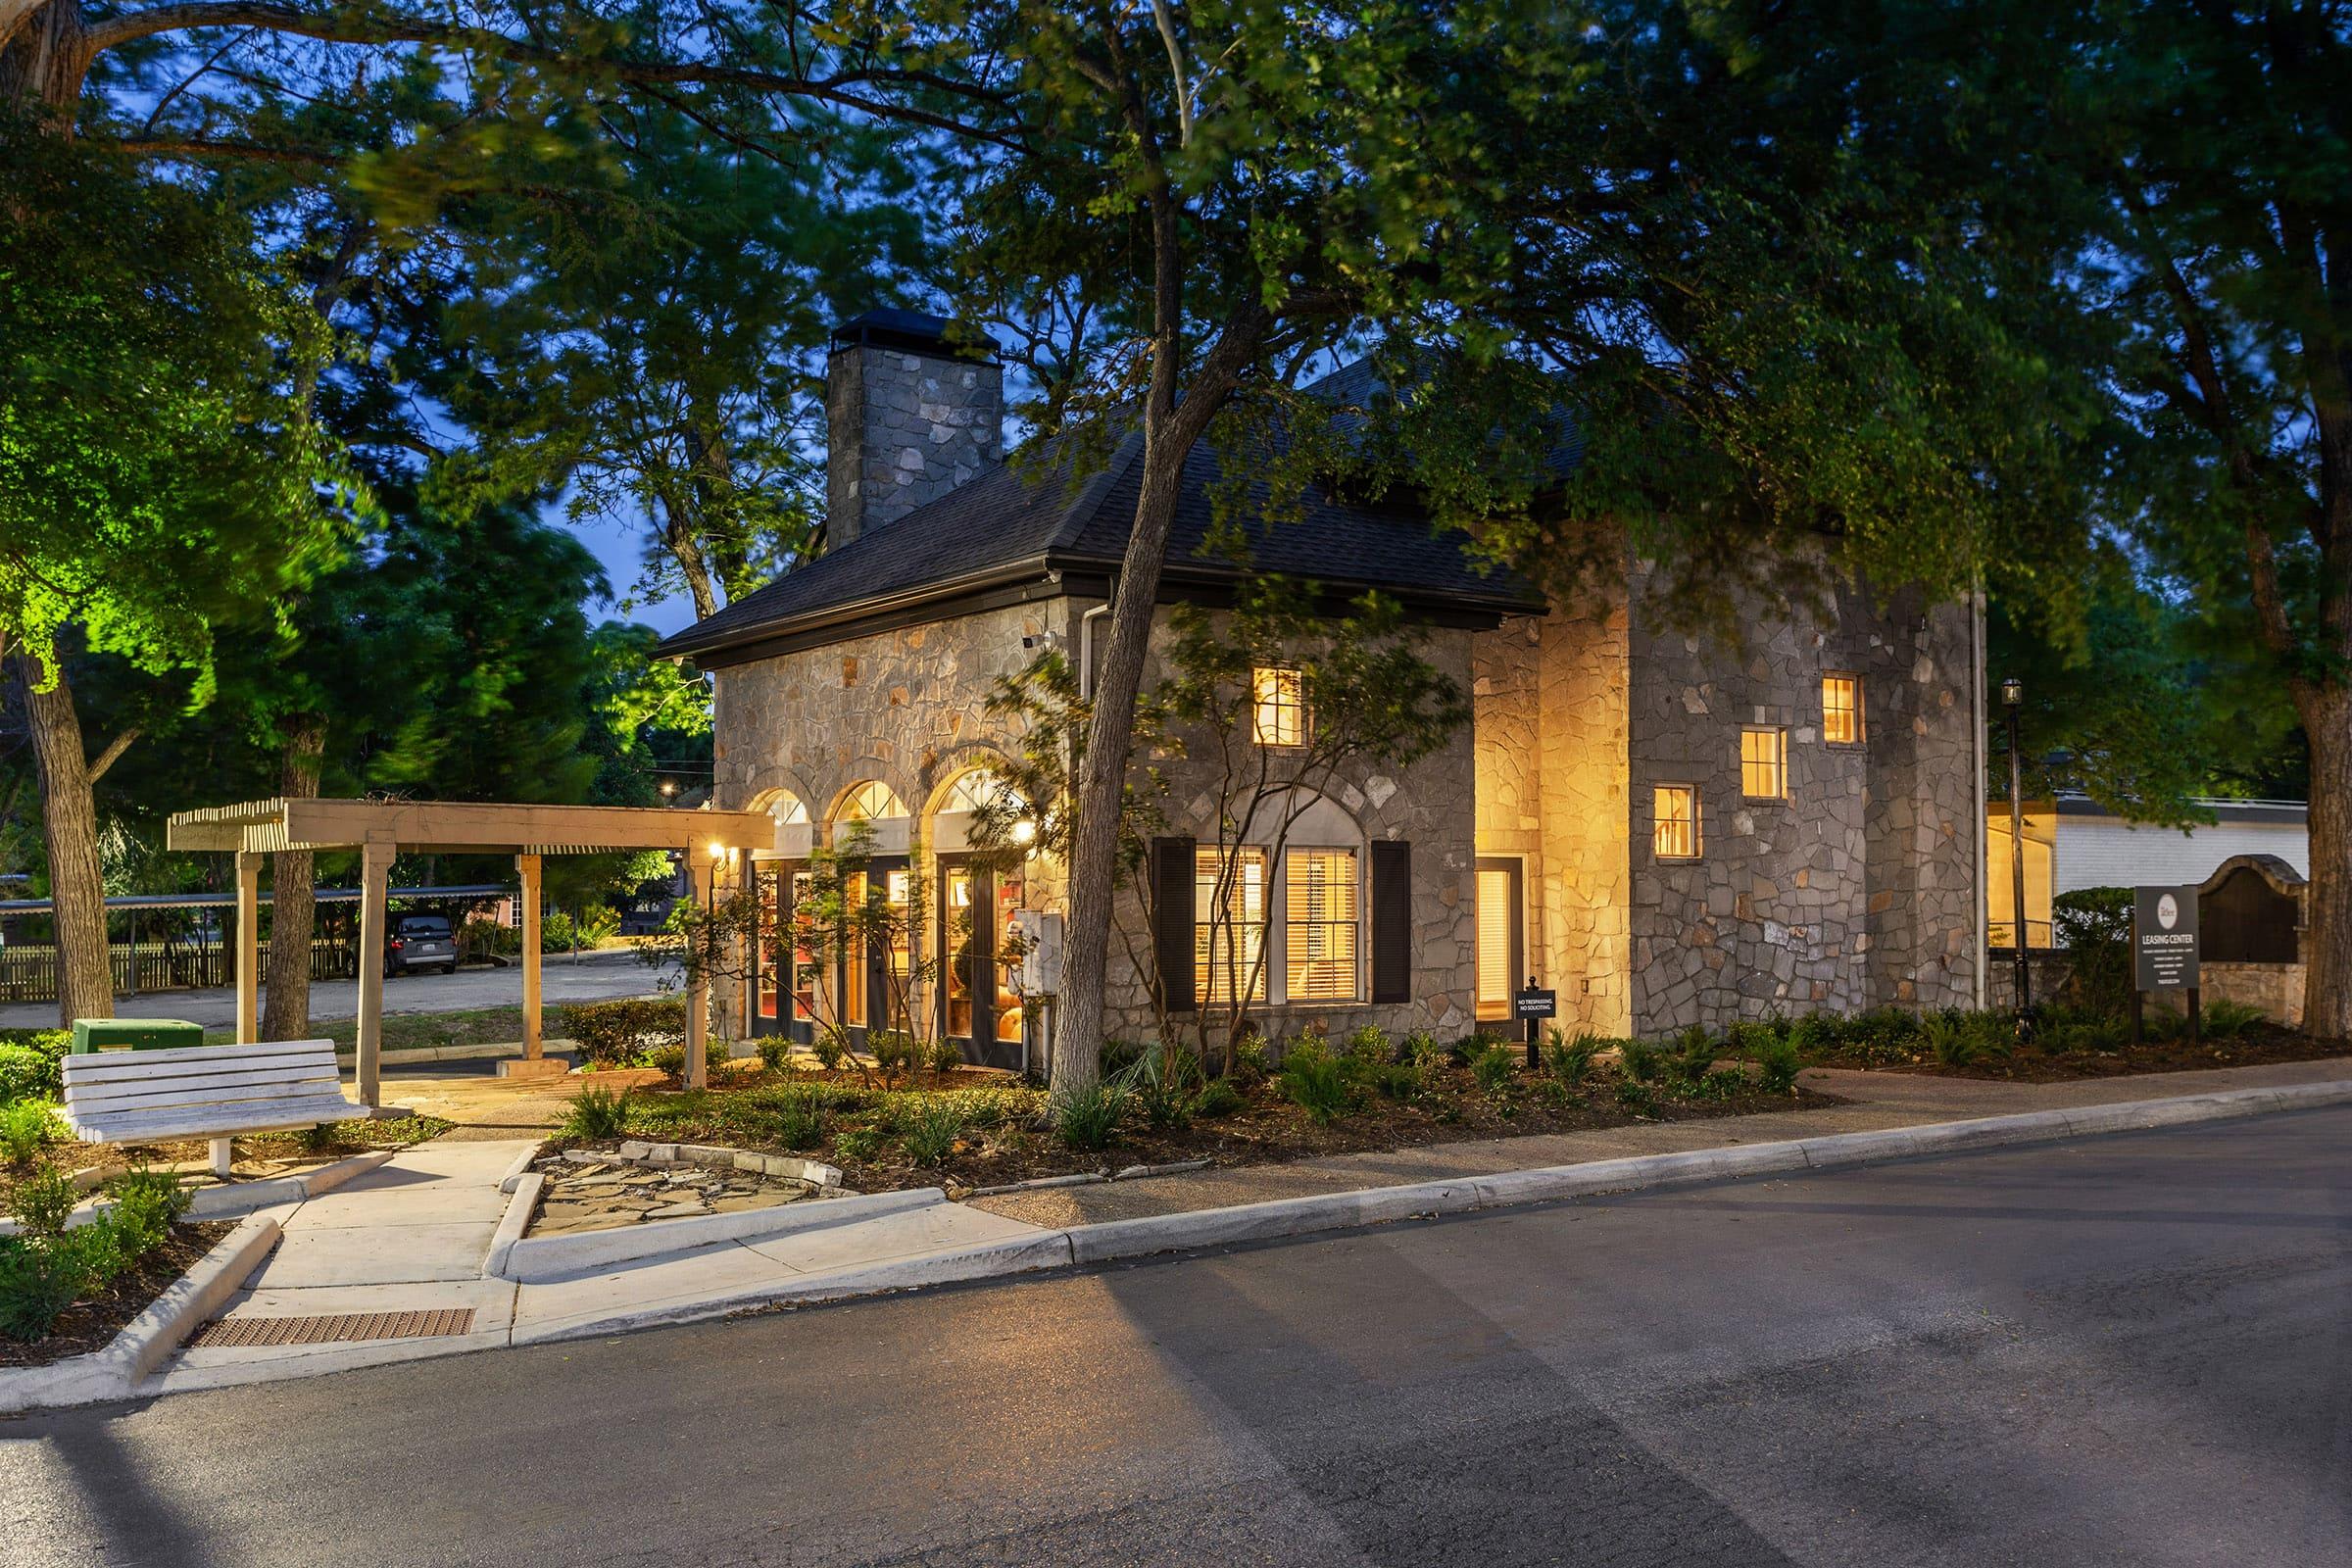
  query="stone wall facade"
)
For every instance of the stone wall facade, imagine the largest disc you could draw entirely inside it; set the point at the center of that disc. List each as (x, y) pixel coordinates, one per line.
(905, 707)
(1857, 890)
(908, 427)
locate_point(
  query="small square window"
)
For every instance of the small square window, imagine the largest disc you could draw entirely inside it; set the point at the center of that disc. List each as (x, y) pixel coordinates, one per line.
(1764, 764)
(1278, 712)
(1676, 834)
(1841, 710)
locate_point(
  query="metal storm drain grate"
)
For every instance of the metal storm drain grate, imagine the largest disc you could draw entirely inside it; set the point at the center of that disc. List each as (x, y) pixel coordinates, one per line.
(231, 1332)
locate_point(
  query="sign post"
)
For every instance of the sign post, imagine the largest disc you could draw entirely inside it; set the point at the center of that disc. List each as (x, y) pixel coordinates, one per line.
(2164, 948)
(1531, 1007)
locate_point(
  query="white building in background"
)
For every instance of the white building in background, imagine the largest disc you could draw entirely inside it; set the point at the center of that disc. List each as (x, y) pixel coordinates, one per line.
(2075, 843)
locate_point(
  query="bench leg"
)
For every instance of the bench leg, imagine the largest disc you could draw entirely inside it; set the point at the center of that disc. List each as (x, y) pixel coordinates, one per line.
(220, 1156)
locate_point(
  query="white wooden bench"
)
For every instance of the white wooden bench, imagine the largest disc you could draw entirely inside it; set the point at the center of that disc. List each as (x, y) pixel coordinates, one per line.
(215, 1091)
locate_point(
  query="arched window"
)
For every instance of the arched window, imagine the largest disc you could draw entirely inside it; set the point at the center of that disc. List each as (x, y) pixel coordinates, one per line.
(870, 802)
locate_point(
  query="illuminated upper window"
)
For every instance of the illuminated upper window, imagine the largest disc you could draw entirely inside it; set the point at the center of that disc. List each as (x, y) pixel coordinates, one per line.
(1764, 764)
(1840, 710)
(1278, 708)
(1675, 807)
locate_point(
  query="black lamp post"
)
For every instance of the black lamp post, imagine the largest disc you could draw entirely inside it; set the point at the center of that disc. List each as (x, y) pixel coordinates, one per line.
(2013, 698)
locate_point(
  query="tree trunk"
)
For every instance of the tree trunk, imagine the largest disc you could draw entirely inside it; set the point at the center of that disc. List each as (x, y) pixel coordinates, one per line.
(1102, 775)
(2326, 714)
(286, 997)
(44, 59)
(85, 980)
(685, 546)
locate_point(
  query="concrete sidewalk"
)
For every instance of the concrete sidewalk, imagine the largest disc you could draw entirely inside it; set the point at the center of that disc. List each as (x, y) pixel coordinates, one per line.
(415, 1236)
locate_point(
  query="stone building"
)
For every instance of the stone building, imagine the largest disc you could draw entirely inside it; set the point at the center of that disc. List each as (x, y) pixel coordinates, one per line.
(1663, 828)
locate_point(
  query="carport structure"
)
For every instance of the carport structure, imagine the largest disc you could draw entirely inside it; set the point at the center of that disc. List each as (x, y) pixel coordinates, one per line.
(380, 829)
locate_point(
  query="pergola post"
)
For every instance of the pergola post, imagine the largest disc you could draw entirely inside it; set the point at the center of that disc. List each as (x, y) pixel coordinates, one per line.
(376, 880)
(701, 872)
(249, 945)
(526, 870)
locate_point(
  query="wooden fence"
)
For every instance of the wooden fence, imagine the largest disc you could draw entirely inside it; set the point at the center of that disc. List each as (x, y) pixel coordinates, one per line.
(29, 970)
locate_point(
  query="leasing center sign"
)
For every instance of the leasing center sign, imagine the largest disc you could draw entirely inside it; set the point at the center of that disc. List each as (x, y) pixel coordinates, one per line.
(2164, 939)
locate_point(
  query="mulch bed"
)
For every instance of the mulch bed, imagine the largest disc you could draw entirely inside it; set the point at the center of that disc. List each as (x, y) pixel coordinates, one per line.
(355, 1136)
(1267, 1130)
(89, 1325)
(2258, 1044)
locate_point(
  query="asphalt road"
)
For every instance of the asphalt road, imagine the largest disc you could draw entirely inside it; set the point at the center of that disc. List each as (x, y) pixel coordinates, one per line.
(562, 977)
(2124, 1350)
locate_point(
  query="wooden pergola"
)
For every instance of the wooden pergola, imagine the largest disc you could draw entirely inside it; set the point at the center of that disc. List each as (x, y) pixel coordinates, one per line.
(380, 829)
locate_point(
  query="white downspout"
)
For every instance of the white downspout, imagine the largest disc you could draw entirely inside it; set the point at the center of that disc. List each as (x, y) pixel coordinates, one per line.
(1976, 630)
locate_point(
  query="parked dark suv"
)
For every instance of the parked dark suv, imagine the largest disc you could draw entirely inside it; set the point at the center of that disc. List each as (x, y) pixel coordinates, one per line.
(421, 941)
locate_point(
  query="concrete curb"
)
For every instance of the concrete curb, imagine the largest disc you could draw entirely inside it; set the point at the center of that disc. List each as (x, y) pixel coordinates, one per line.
(110, 1373)
(508, 1234)
(244, 1197)
(507, 1182)
(539, 1260)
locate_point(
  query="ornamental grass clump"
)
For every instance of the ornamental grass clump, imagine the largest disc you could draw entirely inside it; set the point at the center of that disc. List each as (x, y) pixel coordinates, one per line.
(1089, 1117)
(596, 1113)
(929, 1131)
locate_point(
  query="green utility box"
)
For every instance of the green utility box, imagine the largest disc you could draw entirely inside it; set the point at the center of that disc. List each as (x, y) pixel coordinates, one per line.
(133, 1034)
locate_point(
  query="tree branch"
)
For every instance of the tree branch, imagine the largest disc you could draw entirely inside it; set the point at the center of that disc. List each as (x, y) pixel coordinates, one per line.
(113, 749)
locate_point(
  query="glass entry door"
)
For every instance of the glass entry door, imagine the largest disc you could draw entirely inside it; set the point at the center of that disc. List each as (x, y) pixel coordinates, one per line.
(874, 984)
(979, 1011)
(1502, 937)
(783, 978)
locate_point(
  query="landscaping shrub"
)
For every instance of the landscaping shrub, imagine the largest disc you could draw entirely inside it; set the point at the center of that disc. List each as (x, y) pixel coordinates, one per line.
(626, 1032)
(832, 1047)
(1401, 1080)
(1494, 1068)
(32, 1064)
(43, 1201)
(37, 1283)
(598, 1113)
(2094, 927)
(1250, 1066)
(668, 1060)
(1369, 1046)
(946, 1055)
(1469, 1046)
(147, 1204)
(1219, 1097)
(1694, 1054)
(1949, 1038)
(861, 1143)
(1778, 1063)
(929, 1131)
(775, 1052)
(894, 1050)
(2225, 1020)
(1118, 1055)
(1634, 1095)
(716, 1054)
(1639, 1061)
(1569, 1060)
(27, 1127)
(1089, 1117)
(1316, 1081)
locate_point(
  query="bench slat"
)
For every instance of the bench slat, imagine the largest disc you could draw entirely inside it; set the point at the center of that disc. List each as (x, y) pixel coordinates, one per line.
(227, 1072)
(154, 1095)
(290, 1117)
(192, 1060)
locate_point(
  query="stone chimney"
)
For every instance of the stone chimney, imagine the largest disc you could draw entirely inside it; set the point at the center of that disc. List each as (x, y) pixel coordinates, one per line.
(908, 416)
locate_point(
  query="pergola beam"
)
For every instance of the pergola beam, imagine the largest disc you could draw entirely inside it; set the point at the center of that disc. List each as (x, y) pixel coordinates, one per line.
(382, 829)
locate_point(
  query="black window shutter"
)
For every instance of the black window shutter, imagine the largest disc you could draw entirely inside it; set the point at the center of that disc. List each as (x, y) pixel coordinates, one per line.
(1392, 920)
(1172, 898)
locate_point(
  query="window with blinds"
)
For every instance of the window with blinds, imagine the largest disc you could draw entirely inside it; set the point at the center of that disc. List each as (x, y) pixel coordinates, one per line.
(1764, 764)
(1321, 921)
(1495, 959)
(1674, 809)
(1841, 710)
(1226, 949)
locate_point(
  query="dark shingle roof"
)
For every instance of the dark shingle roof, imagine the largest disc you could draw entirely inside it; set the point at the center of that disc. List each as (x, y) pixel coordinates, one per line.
(1019, 522)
